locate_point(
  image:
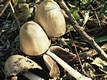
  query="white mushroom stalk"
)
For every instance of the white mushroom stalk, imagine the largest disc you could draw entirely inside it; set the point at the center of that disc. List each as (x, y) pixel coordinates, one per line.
(33, 41)
(19, 64)
(32, 76)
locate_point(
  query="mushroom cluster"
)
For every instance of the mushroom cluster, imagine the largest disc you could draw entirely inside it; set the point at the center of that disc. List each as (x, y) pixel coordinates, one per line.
(34, 41)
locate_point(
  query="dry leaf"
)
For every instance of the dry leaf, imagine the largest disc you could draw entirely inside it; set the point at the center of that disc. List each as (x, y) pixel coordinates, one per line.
(101, 64)
(52, 66)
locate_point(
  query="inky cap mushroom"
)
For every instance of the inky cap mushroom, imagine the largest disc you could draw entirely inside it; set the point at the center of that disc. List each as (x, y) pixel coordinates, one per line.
(50, 17)
(16, 64)
(33, 39)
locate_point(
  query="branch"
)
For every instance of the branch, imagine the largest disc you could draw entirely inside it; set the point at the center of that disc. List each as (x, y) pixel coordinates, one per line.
(81, 31)
(5, 7)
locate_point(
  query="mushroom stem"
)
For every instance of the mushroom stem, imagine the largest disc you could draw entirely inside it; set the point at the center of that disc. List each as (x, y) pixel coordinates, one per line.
(68, 68)
(32, 76)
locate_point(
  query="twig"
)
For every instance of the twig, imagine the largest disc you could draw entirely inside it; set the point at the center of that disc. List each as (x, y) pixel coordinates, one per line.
(12, 7)
(5, 7)
(78, 55)
(81, 31)
(96, 15)
(14, 14)
(76, 52)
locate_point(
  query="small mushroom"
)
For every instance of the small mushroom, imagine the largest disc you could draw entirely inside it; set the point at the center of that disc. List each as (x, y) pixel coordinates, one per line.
(19, 64)
(33, 41)
(22, 11)
(50, 17)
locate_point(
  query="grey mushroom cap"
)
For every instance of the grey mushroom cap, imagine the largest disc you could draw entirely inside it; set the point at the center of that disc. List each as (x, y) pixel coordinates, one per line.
(33, 39)
(49, 15)
(16, 64)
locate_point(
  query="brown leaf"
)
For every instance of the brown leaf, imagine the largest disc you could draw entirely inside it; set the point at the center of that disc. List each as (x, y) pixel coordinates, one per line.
(52, 66)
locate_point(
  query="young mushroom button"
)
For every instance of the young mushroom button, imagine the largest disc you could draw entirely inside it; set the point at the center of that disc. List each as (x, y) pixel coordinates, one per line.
(33, 39)
(49, 15)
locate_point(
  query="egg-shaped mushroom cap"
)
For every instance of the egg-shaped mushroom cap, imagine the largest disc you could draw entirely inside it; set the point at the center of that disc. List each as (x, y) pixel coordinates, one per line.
(16, 64)
(33, 40)
(49, 15)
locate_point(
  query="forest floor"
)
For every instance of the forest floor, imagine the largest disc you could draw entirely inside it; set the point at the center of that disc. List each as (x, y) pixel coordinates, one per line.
(91, 16)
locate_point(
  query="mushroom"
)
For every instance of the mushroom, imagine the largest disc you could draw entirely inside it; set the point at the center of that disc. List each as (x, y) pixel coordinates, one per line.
(22, 11)
(33, 41)
(50, 17)
(37, 44)
(16, 64)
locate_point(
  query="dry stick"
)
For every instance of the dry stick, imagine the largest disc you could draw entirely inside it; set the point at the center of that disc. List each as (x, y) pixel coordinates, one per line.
(14, 14)
(76, 52)
(5, 7)
(12, 7)
(96, 16)
(82, 32)
(78, 55)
